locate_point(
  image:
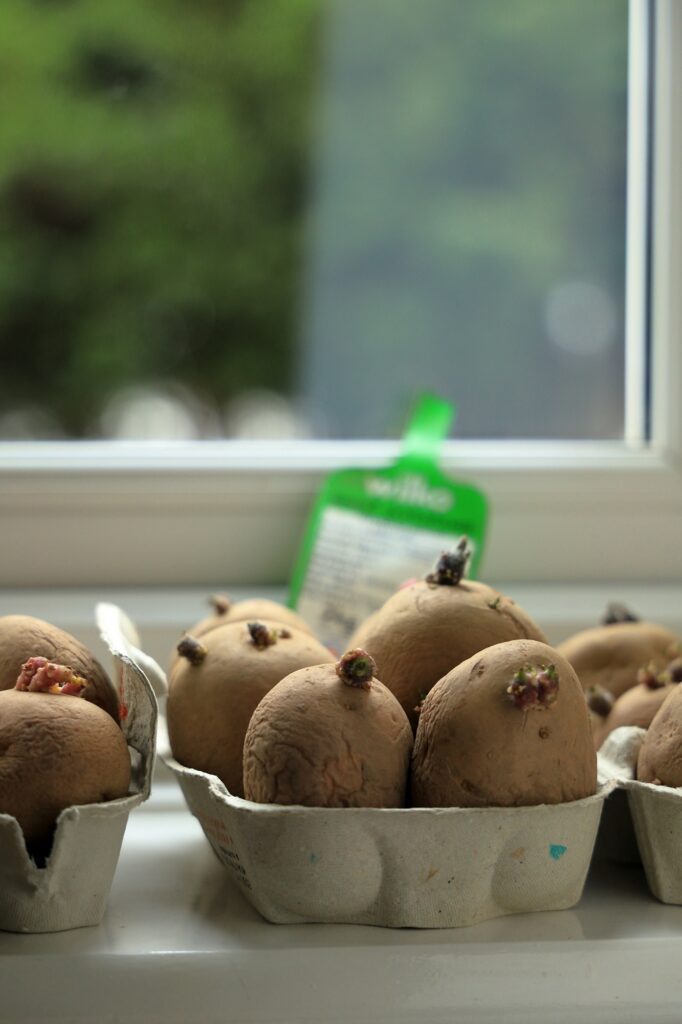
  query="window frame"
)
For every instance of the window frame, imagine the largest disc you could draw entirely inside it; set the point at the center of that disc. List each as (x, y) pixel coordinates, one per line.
(232, 513)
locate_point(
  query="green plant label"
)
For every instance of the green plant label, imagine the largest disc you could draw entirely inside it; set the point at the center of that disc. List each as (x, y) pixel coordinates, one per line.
(371, 530)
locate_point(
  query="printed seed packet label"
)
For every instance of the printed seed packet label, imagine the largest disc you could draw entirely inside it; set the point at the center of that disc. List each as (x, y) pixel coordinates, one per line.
(371, 530)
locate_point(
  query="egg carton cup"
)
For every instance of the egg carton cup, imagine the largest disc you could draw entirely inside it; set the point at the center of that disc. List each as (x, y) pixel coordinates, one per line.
(656, 813)
(72, 889)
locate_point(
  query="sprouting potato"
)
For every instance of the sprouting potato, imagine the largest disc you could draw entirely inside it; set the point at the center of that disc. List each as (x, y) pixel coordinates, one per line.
(329, 736)
(640, 704)
(23, 637)
(428, 627)
(611, 656)
(660, 756)
(508, 727)
(217, 682)
(256, 609)
(56, 748)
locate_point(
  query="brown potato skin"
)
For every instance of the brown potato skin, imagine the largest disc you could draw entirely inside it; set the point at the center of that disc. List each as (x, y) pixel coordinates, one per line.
(23, 637)
(660, 756)
(254, 609)
(475, 748)
(210, 705)
(257, 609)
(317, 742)
(637, 706)
(610, 656)
(55, 752)
(596, 724)
(424, 630)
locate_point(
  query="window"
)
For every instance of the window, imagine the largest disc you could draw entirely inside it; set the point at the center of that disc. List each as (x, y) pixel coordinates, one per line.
(288, 218)
(604, 509)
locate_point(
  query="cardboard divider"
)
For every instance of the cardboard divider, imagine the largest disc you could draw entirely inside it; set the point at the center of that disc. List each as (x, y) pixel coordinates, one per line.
(72, 889)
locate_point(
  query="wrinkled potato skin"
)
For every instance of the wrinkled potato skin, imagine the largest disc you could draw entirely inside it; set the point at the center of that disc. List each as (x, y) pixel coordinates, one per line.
(424, 630)
(210, 705)
(23, 637)
(660, 756)
(637, 706)
(610, 656)
(55, 752)
(315, 741)
(475, 748)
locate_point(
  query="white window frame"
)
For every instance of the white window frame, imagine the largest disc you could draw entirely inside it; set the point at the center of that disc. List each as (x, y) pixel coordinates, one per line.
(232, 513)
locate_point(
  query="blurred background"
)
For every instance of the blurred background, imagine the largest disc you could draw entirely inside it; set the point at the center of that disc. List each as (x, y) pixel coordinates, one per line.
(283, 218)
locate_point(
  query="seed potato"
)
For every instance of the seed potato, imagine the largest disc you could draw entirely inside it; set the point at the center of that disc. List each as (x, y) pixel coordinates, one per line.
(637, 706)
(612, 655)
(216, 685)
(508, 727)
(23, 637)
(329, 736)
(55, 752)
(254, 609)
(429, 626)
(660, 756)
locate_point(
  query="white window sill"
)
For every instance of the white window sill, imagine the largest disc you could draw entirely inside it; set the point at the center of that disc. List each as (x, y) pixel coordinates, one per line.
(179, 945)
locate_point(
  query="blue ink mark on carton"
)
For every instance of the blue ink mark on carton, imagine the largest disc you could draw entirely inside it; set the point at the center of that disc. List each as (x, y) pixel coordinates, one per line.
(556, 850)
(314, 858)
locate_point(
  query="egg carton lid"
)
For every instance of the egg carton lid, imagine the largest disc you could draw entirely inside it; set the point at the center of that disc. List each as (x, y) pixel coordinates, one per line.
(72, 888)
(656, 813)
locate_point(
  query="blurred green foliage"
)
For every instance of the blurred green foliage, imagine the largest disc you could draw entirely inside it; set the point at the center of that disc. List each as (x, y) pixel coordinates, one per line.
(155, 158)
(152, 181)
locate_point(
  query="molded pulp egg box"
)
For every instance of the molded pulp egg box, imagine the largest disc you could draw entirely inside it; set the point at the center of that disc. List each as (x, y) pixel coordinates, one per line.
(407, 867)
(413, 867)
(71, 891)
(656, 813)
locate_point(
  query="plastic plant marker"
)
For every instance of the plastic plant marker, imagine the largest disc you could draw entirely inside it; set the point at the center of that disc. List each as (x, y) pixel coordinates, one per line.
(371, 530)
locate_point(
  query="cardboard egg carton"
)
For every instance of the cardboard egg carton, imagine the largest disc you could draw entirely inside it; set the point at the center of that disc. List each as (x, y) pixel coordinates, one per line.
(406, 867)
(72, 889)
(656, 813)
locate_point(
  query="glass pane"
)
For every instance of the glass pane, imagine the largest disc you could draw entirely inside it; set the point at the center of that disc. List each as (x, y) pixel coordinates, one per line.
(286, 218)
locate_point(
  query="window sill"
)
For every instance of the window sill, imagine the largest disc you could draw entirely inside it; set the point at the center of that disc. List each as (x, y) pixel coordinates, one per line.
(180, 944)
(558, 514)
